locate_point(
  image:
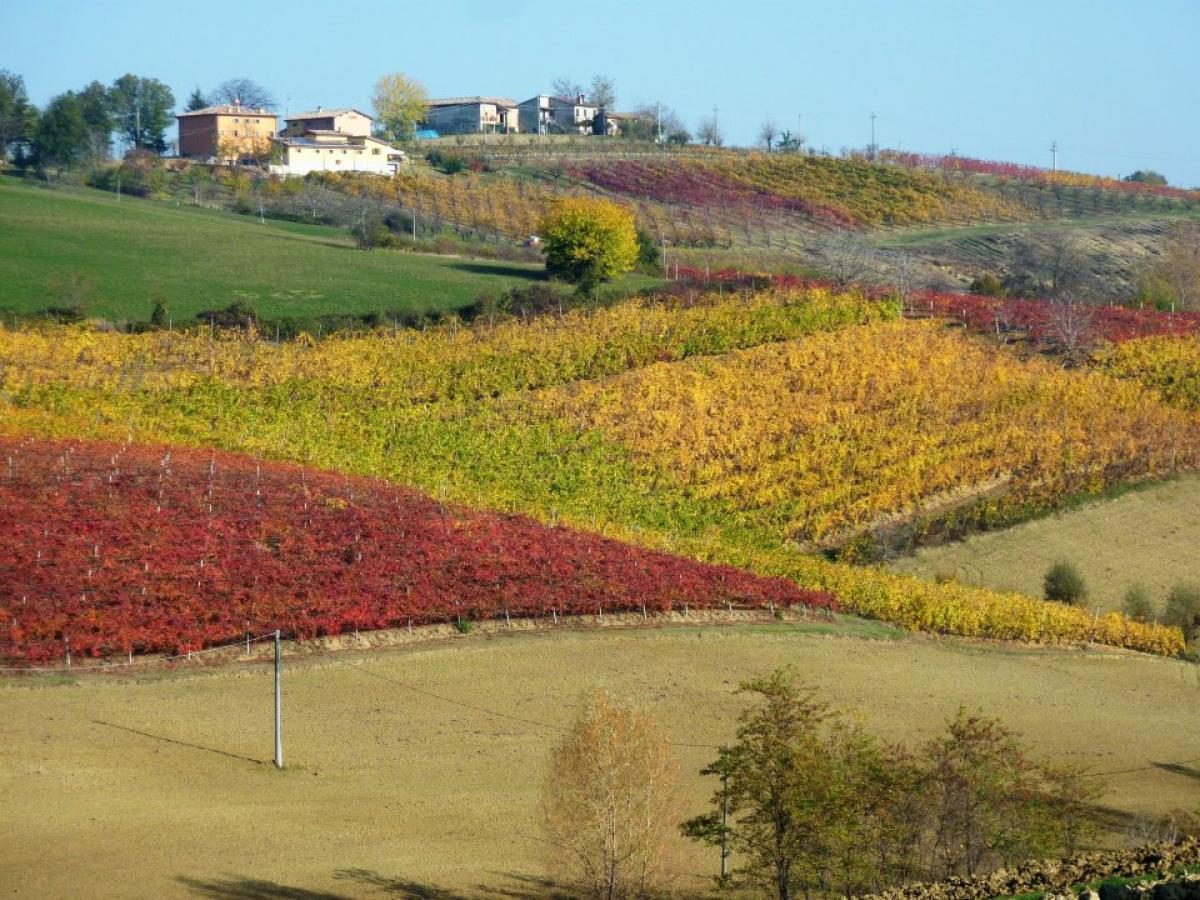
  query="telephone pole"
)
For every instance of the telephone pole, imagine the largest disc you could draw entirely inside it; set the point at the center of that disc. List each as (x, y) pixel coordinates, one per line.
(278, 709)
(872, 153)
(1053, 159)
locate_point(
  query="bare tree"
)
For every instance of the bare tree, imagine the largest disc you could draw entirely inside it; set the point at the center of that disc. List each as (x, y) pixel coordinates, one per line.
(1071, 326)
(709, 133)
(243, 92)
(1052, 268)
(609, 802)
(566, 87)
(604, 93)
(767, 132)
(845, 259)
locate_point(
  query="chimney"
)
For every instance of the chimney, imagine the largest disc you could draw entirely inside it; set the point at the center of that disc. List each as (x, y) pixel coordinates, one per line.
(581, 99)
(319, 108)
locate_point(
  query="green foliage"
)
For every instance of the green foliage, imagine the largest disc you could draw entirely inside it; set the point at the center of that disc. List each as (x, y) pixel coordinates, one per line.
(160, 316)
(818, 806)
(987, 285)
(18, 117)
(141, 108)
(1147, 176)
(196, 100)
(62, 134)
(1064, 584)
(1137, 604)
(1182, 610)
(649, 258)
(463, 626)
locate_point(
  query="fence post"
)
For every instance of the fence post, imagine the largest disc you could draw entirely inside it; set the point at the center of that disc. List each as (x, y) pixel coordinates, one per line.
(278, 709)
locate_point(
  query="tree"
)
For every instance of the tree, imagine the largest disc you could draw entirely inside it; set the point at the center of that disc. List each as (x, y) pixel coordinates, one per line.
(62, 135)
(566, 88)
(160, 316)
(1147, 176)
(604, 93)
(196, 101)
(776, 781)
(141, 108)
(1071, 325)
(1182, 610)
(401, 103)
(96, 104)
(767, 133)
(18, 118)
(1137, 604)
(650, 120)
(589, 241)
(1064, 584)
(240, 92)
(844, 258)
(1051, 268)
(1176, 275)
(709, 133)
(609, 802)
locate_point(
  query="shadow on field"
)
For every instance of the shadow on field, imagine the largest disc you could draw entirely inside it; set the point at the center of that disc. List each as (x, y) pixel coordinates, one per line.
(178, 743)
(1178, 769)
(519, 887)
(510, 271)
(251, 889)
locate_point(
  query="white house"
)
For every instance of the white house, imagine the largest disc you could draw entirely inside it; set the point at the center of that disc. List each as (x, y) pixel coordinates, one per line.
(546, 114)
(322, 150)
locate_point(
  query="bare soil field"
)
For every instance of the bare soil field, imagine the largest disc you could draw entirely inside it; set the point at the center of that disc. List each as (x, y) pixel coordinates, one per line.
(1148, 535)
(415, 771)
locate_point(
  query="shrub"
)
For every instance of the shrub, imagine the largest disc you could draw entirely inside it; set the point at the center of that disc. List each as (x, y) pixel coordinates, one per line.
(1137, 604)
(1182, 610)
(1064, 584)
(589, 241)
(987, 285)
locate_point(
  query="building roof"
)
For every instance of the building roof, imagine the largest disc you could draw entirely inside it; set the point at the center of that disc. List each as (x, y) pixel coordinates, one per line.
(226, 109)
(352, 140)
(471, 101)
(326, 113)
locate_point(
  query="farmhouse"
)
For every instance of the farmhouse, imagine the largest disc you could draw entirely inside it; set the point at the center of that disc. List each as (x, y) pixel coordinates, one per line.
(226, 133)
(547, 114)
(322, 150)
(473, 115)
(346, 121)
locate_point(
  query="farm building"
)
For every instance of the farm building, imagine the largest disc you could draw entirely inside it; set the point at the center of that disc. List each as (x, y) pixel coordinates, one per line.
(322, 150)
(473, 115)
(345, 121)
(547, 114)
(226, 133)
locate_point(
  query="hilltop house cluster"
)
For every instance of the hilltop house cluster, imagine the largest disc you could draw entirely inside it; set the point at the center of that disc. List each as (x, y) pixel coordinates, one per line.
(342, 140)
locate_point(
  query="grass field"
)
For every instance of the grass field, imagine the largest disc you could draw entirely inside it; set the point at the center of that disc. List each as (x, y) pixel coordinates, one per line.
(160, 786)
(135, 251)
(1148, 536)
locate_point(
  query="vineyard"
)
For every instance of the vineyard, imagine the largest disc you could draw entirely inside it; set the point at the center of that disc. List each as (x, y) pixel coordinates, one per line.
(511, 417)
(122, 549)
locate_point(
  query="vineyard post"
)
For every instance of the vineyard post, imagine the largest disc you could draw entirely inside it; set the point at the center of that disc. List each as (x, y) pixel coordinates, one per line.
(278, 711)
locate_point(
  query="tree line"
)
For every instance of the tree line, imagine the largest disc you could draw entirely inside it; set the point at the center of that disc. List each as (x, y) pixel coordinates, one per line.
(805, 802)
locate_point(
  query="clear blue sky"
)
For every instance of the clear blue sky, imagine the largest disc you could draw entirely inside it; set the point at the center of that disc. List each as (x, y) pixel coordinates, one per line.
(1115, 82)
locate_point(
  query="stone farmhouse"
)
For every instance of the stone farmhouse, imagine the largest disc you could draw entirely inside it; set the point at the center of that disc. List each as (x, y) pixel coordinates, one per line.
(227, 133)
(473, 115)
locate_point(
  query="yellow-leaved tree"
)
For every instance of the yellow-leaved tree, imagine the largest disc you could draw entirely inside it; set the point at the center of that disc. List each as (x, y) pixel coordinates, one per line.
(401, 104)
(609, 807)
(589, 241)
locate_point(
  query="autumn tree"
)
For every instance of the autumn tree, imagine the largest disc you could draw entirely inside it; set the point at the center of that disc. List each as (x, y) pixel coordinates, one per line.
(609, 802)
(589, 241)
(401, 103)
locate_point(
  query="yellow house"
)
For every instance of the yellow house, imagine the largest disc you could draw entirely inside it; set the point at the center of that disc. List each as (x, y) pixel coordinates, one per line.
(323, 150)
(227, 133)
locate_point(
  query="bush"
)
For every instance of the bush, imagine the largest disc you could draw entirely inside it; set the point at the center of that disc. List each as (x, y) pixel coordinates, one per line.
(589, 241)
(1137, 604)
(1064, 584)
(987, 285)
(1183, 610)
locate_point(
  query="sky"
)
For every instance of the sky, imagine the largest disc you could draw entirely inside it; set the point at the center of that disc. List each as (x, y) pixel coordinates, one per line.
(1115, 83)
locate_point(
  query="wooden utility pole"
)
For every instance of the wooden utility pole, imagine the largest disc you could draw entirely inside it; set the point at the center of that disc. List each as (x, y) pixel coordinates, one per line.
(278, 709)
(725, 824)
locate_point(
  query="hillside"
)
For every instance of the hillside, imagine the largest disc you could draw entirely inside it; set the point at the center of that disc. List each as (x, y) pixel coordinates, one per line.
(648, 421)
(201, 259)
(110, 550)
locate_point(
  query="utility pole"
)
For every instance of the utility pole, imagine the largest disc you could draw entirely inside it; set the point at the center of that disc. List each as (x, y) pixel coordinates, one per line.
(799, 133)
(1053, 159)
(658, 120)
(278, 709)
(873, 117)
(725, 822)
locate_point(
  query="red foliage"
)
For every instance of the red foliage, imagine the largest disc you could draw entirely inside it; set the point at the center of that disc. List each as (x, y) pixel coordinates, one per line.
(664, 182)
(987, 314)
(155, 549)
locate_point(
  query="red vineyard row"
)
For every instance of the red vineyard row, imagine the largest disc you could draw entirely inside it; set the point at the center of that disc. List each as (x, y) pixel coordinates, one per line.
(990, 314)
(141, 549)
(700, 187)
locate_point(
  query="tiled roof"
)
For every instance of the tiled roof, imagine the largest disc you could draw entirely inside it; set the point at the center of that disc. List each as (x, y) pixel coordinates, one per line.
(227, 110)
(325, 114)
(471, 101)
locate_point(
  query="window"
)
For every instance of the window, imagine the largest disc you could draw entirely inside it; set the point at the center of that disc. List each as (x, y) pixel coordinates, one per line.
(375, 152)
(235, 133)
(235, 119)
